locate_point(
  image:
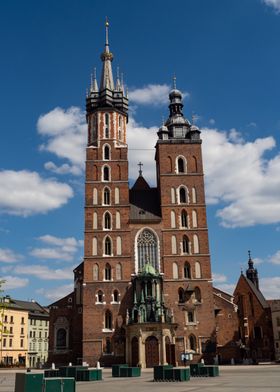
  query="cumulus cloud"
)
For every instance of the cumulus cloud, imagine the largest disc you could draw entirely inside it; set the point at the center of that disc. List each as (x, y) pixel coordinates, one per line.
(26, 193)
(9, 256)
(275, 4)
(44, 273)
(270, 287)
(218, 278)
(61, 248)
(65, 136)
(275, 259)
(152, 94)
(56, 293)
(14, 282)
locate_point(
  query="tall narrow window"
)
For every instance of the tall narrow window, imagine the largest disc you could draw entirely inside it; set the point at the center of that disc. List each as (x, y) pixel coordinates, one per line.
(94, 246)
(184, 219)
(186, 247)
(119, 246)
(197, 270)
(118, 271)
(173, 245)
(94, 220)
(108, 319)
(95, 272)
(187, 271)
(197, 294)
(175, 270)
(118, 220)
(193, 195)
(172, 192)
(106, 196)
(107, 272)
(169, 170)
(181, 295)
(181, 165)
(117, 195)
(108, 246)
(116, 296)
(120, 128)
(183, 195)
(194, 164)
(95, 198)
(147, 249)
(195, 244)
(192, 343)
(173, 219)
(107, 221)
(194, 218)
(106, 152)
(106, 173)
(100, 296)
(107, 126)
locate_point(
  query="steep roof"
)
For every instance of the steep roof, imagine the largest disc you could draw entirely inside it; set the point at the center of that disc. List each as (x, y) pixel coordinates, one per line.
(255, 291)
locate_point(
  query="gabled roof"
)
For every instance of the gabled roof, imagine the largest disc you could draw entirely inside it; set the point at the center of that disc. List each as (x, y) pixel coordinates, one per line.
(254, 290)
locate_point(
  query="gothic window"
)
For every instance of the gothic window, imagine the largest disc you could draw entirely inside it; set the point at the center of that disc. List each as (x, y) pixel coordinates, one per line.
(107, 126)
(94, 195)
(194, 164)
(175, 270)
(108, 246)
(61, 338)
(184, 219)
(181, 295)
(190, 316)
(107, 221)
(173, 245)
(116, 296)
(197, 270)
(119, 246)
(192, 343)
(120, 128)
(107, 272)
(169, 164)
(118, 271)
(119, 172)
(108, 346)
(197, 294)
(106, 152)
(187, 271)
(195, 244)
(194, 218)
(172, 190)
(95, 272)
(118, 220)
(173, 219)
(117, 195)
(108, 319)
(93, 129)
(181, 165)
(147, 249)
(183, 197)
(94, 246)
(94, 220)
(193, 195)
(106, 196)
(106, 173)
(186, 247)
(100, 296)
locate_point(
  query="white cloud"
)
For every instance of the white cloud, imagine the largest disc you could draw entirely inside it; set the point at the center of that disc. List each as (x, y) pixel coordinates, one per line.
(226, 287)
(219, 278)
(212, 121)
(270, 287)
(275, 259)
(62, 248)
(56, 293)
(50, 253)
(152, 94)
(9, 256)
(65, 132)
(239, 176)
(275, 4)
(44, 273)
(26, 193)
(13, 282)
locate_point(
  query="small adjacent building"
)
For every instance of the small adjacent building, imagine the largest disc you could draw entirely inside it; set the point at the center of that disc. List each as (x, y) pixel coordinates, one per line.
(275, 314)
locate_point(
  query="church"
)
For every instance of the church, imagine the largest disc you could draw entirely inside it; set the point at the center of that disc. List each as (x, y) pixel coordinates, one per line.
(143, 294)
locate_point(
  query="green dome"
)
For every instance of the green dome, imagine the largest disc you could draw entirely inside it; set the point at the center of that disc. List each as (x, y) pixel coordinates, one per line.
(148, 269)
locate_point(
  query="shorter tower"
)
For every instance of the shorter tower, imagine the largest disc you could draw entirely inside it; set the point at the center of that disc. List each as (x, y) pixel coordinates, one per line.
(251, 272)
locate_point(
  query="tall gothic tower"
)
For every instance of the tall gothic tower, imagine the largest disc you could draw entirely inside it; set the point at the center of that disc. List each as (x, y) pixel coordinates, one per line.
(147, 293)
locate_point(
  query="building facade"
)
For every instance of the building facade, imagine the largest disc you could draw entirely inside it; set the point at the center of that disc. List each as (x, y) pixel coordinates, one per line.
(275, 314)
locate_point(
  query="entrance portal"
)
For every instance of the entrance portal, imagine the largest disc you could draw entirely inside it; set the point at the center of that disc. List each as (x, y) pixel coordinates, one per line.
(134, 351)
(151, 352)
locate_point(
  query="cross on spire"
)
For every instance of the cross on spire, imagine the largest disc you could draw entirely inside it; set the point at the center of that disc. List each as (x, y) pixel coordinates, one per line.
(140, 164)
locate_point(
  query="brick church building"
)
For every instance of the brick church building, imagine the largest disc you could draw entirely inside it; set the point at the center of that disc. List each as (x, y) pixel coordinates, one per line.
(143, 293)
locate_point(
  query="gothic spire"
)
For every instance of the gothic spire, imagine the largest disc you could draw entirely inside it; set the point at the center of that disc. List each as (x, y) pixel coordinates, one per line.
(107, 81)
(93, 84)
(251, 272)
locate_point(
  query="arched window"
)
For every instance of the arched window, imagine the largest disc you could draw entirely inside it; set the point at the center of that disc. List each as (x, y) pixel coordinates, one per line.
(183, 195)
(175, 270)
(172, 191)
(95, 272)
(117, 195)
(194, 164)
(192, 343)
(195, 244)
(106, 173)
(184, 219)
(108, 345)
(61, 338)
(108, 319)
(147, 249)
(173, 219)
(106, 152)
(95, 197)
(194, 218)
(118, 271)
(190, 316)
(95, 173)
(116, 296)
(181, 295)
(186, 246)
(181, 165)
(197, 270)
(197, 294)
(107, 272)
(100, 296)
(119, 171)
(173, 245)
(94, 220)
(108, 246)
(169, 164)
(107, 224)
(187, 271)
(94, 246)
(118, 220)
(119, 246)
(106, 196)
(193, 195)
(120, 128)
(107, 126)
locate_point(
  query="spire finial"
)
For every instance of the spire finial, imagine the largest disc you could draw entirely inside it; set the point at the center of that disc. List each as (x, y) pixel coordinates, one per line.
(249, 254)
(174, 82)
(162, 120)
(140, 164)
(107, 33)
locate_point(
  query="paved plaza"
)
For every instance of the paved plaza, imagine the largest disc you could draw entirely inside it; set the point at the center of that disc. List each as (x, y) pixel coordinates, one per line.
(232, 379)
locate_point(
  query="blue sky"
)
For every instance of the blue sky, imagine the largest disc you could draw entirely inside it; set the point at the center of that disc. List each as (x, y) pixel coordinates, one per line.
(226, 57)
